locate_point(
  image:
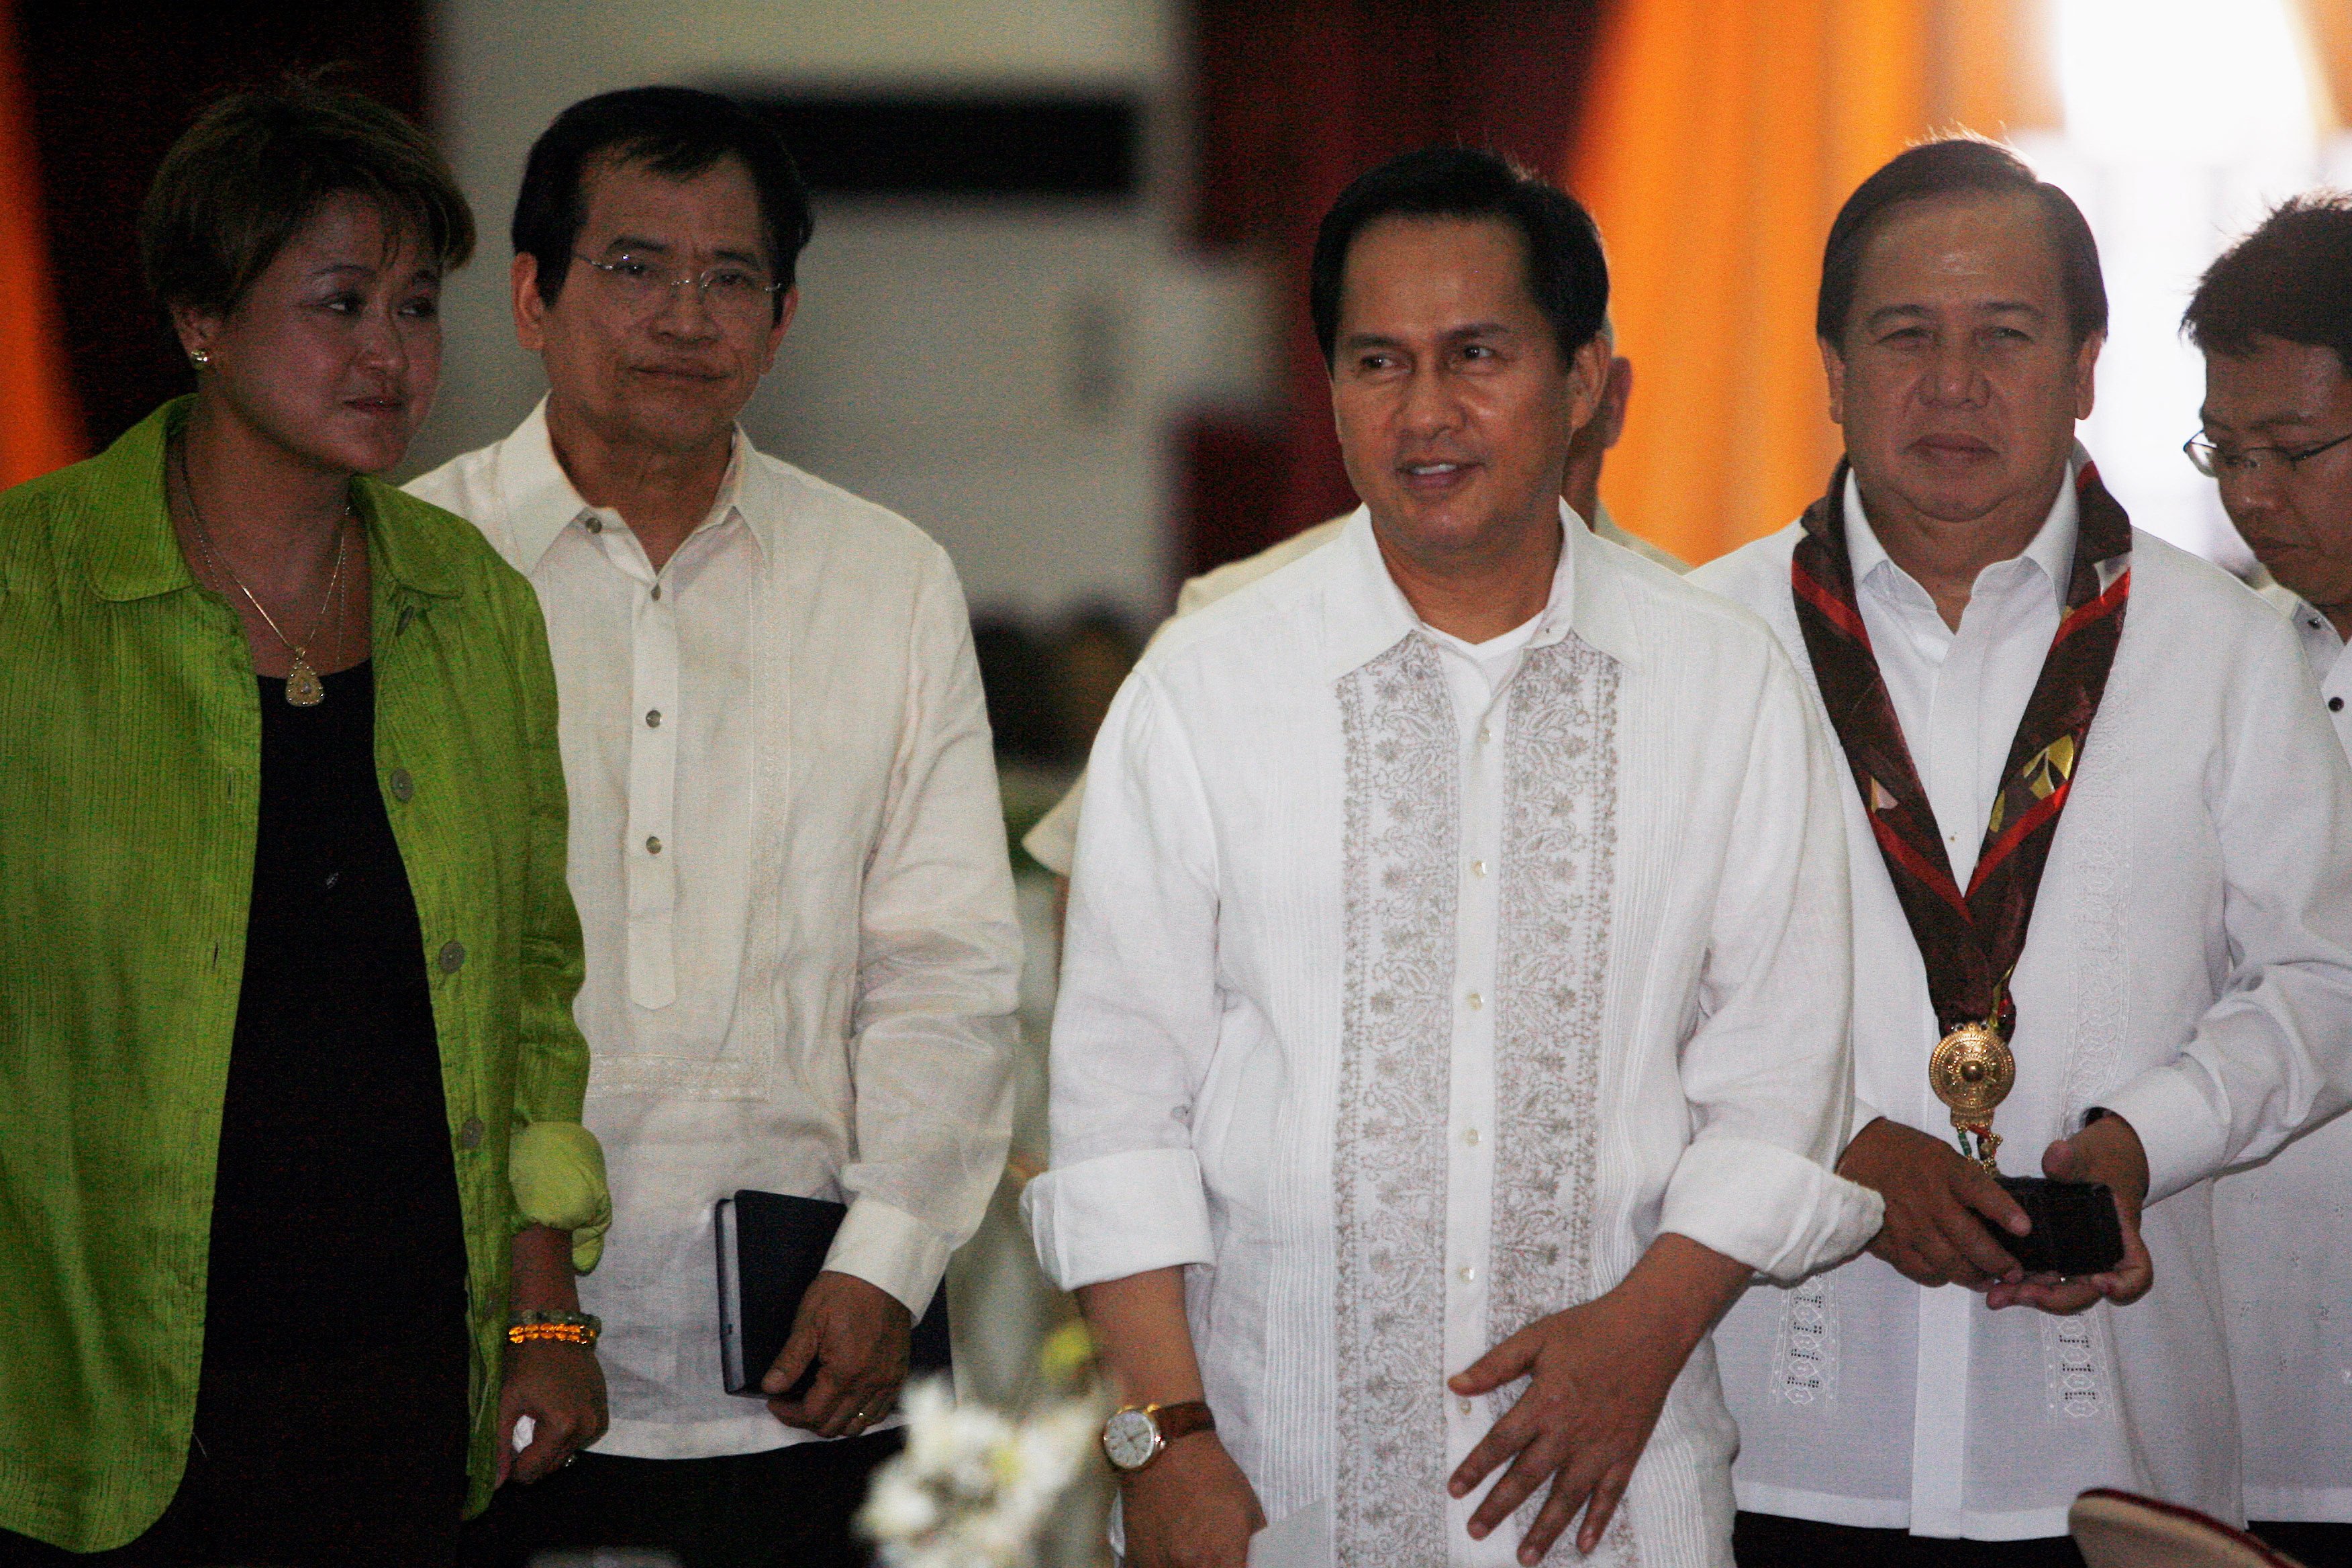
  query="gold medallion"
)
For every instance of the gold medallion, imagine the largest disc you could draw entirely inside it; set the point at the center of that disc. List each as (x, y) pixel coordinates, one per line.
(303, 686)
(1971, 1072)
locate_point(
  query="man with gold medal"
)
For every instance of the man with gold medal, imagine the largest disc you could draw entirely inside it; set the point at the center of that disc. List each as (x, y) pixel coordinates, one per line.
(2059, 729)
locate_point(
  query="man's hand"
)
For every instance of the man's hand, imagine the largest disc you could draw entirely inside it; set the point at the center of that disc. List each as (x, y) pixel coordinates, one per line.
(1601, 1374)
(1190, 1508)
(561, 1388)
(2108, 1151)
(856, 1333)
(1932, 1236)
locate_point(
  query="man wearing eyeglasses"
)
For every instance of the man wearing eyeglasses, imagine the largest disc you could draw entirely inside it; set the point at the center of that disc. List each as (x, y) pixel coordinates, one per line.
(2273, 317)
(786, 844)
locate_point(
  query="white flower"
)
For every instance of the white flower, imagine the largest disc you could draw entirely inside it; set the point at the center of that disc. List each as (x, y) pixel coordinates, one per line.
(970, 1487)
(898, 1508)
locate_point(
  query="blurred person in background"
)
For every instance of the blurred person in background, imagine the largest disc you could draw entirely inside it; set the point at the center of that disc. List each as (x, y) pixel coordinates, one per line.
(1054, 841)
(290, 1095)
(2080, 726)
(1453, 1020)
(787, 845)
(2273, 317)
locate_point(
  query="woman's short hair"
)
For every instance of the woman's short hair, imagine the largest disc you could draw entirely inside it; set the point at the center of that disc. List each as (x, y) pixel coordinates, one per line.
(1566, 271)
(1957, 165)
(2289, 280)
(677, 131)
(254, 169)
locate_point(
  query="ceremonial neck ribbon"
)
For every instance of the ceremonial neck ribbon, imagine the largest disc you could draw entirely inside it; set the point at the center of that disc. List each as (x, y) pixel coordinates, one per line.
(1969, 940)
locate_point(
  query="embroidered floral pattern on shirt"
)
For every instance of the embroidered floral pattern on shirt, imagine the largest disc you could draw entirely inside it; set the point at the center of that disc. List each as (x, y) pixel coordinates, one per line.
(1558, 844)
(1805, 1356)
(2075, 1366)
(1559, 860)
(1404, 818)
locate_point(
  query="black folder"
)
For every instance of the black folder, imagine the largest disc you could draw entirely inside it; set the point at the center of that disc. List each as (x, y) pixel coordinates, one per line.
(772, 1247)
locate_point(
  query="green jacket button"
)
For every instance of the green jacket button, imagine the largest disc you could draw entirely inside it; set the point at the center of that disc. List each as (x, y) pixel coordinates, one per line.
(453, 954)
(403, 786)
(469, 1136)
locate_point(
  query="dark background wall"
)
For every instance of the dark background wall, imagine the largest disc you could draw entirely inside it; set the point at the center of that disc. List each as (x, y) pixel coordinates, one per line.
(1295, 99)
(111, 87)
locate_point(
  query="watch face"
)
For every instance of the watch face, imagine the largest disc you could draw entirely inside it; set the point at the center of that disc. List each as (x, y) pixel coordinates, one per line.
(1130, 1439)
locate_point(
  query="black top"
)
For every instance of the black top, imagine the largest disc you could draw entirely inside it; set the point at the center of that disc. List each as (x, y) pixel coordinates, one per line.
(336, 1227)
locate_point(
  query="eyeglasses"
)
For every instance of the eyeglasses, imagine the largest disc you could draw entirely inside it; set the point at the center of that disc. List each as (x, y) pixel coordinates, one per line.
(2252, 462)
(729, 288)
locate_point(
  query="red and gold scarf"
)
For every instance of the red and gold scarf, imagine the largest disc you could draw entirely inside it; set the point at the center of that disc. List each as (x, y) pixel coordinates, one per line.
(1969, 940)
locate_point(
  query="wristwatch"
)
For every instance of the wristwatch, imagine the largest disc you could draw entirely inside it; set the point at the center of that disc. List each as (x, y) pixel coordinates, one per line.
(1134, 1436)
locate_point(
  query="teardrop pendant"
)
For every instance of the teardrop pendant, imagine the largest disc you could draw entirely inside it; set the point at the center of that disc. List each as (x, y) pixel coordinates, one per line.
(303, 686)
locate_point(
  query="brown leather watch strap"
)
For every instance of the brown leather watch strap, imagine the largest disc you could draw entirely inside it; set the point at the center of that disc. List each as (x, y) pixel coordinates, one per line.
(1183, 1420)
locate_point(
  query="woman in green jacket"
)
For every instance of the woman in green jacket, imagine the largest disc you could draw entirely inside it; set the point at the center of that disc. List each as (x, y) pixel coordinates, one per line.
(292, 1182)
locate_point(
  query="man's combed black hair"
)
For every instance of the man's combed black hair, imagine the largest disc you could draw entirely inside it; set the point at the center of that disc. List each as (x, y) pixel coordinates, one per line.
(2291, 280)
(1566, 271)
(673, 131)
(1960, 166)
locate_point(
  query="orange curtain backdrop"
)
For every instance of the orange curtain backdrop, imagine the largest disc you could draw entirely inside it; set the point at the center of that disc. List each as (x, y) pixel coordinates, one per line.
(2329, 25)
(40, 425)
(1718, 140)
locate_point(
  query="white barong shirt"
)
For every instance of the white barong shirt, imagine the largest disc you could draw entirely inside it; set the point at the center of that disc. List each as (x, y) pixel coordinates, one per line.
(2286, 1234)
(2189, 966)
(789, 856)
(1052, 843)
(1413, 989)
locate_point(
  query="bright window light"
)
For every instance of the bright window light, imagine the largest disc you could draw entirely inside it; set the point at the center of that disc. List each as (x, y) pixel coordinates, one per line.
(2204, 81)
(2186, 120)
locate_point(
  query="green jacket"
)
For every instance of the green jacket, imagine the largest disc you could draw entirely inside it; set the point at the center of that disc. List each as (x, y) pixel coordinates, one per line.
(129, 772)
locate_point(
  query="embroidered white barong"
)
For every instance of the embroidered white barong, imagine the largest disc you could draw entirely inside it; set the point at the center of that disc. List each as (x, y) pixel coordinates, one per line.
(2188, 967)
(1412, 990)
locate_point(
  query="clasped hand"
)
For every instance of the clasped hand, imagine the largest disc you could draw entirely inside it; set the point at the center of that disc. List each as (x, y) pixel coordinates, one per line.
(1932, 1235)
(561, 1388)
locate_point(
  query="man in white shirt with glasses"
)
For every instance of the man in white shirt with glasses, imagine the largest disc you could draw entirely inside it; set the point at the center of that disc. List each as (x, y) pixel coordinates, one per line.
(786, 843)
(2273, 317)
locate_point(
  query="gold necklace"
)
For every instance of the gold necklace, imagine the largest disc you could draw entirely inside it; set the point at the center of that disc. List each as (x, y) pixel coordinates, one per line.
(303, 686)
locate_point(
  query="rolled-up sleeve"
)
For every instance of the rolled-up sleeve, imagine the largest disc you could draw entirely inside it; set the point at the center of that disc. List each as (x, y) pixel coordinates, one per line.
(1768, 1072)
(2271, 1056)
(1136, 1025)
(938, 974)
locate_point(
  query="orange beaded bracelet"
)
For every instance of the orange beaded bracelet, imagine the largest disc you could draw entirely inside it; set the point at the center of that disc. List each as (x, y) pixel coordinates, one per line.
(562, 1328)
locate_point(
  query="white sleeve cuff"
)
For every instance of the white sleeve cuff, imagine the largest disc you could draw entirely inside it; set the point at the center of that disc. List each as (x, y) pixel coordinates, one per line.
(891, 1249)
(1119, 1214)
(1767, 1207)
(2184, 1140)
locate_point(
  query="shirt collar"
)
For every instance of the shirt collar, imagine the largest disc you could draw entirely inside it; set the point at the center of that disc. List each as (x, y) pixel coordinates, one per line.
(136, 556)
(542, 502)
(2322, 648)
(2052, 548)
(1369, 614)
